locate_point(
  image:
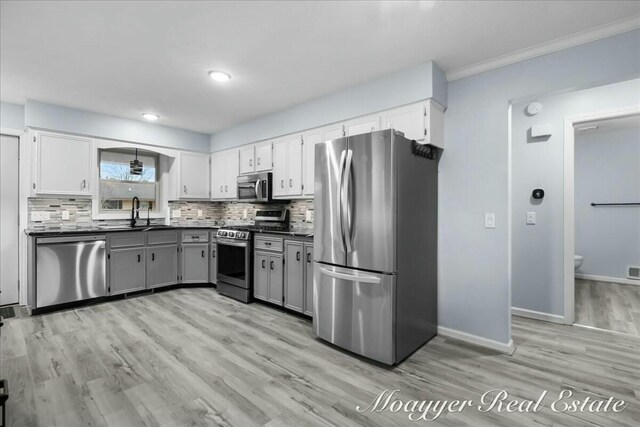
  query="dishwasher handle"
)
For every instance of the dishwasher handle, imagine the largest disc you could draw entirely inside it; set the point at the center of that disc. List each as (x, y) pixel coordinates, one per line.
(71, 239)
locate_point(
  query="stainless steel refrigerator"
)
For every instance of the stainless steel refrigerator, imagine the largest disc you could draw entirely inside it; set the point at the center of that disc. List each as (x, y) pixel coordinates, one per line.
(375, 245)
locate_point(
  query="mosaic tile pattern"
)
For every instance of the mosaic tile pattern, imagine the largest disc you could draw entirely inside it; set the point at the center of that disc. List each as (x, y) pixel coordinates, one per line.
(213, 213)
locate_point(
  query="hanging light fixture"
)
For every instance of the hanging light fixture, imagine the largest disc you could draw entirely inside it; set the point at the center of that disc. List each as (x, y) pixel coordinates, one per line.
(135, 166)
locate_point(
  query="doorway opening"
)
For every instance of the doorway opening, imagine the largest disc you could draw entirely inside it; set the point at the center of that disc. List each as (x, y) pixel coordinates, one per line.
(602, 221)
(9, 215)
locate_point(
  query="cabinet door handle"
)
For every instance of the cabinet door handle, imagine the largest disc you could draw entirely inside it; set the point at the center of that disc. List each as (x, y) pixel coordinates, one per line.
(221, 188)
(282, 183)
(298, 256)
(290, 182)
(153, 256)
(185, 189)
(139, 258)
(84, 183)
(258, 161)
(250, 162)
(308, 256)
(263, 264)
(226, 188)
(213, 254)
(203, 253)
(271, 265)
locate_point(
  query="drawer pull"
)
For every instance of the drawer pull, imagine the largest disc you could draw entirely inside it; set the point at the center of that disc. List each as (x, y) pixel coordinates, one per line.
(298, 256)
(308, 256)
(153, 256)
(271, 265)
(203, 253)
(263, 264)
(138, 257)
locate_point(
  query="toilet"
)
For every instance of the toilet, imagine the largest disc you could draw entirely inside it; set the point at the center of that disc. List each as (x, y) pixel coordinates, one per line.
(577, 262)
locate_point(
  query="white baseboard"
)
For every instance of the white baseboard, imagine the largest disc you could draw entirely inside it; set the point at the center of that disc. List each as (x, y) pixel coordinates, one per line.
(538, 315)
(619, 280)
(507, 348)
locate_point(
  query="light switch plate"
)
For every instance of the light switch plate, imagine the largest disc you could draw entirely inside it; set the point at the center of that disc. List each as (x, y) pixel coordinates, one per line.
(489, 220)
(531, 218)
(40, 216)
(244, 214)
(65, 215)
(176, 213)
(199, 213)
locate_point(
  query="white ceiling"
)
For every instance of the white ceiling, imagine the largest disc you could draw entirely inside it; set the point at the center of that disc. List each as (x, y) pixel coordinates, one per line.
(125, 58)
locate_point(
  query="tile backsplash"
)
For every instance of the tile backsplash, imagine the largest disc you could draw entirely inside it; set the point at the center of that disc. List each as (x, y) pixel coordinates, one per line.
(212, 213)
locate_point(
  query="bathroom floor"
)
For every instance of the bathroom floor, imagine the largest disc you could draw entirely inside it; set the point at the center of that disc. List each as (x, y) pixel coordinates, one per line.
(607, 305)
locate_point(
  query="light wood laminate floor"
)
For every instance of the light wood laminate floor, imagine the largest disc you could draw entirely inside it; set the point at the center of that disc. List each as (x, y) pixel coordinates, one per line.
(191, 357)
(606, 305)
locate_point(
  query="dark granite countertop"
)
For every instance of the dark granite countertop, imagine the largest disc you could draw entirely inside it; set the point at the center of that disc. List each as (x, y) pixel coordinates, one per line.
(118, 229)
(112, 229)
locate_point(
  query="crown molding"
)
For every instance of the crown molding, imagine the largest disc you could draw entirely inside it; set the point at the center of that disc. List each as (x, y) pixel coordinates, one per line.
(556, 45)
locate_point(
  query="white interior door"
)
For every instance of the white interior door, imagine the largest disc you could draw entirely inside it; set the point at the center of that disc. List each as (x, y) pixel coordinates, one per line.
(9, 230)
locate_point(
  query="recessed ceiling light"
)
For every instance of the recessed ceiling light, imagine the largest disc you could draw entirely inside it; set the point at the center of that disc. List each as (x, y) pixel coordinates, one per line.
(219, 76)
(150, 116)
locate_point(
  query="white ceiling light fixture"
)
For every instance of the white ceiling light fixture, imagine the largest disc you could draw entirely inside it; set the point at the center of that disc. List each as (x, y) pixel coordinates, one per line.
(150, 116)
(219, 76)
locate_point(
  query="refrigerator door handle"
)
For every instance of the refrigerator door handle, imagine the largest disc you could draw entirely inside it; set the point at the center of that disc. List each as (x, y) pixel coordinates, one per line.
(341, 206)
(350, 277)
(345, 203)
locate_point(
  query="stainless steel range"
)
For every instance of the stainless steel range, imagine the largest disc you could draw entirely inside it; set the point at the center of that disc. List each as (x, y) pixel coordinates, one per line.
(235, 275)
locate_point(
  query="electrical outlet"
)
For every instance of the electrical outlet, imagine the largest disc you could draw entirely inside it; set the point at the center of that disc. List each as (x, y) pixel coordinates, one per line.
(489, 220)
(244, 214)
(65, 215)
(199, 213)
(531, 218)
(308, 215)
(176, 213)
(40, 216)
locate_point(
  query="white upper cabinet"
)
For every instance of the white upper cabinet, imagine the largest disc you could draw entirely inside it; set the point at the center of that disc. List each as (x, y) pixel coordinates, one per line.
(218, 175)
(247, 160)
(224, 174)
(287, 167)
(232, 169)
(364, 124)
(410, 120)
(310, 139)
(423, 122)
(194, 176)
(264, 161)
(63, 165)
(335, 131)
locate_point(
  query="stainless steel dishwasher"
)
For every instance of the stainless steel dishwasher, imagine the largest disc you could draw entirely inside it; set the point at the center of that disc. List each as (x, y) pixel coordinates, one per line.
(70, 269)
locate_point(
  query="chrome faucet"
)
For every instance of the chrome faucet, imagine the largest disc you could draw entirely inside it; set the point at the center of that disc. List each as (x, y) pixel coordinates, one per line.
(135, 210)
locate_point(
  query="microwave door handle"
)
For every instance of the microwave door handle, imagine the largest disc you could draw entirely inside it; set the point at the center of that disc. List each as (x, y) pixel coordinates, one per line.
(258, 195)
(351, 277)
(346, 202)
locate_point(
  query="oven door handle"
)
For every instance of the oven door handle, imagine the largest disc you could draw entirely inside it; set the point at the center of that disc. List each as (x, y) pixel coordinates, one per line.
(239, 245)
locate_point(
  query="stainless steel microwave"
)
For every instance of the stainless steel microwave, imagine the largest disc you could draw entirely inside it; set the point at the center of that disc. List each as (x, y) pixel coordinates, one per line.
(255, 188)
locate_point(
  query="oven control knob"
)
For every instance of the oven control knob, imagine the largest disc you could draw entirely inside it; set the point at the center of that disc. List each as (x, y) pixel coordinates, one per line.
(241, 235)
(223, 233)
(232, 234)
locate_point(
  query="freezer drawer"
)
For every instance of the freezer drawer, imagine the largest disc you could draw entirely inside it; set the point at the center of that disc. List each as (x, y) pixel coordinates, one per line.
(355, 310)
(70, 269)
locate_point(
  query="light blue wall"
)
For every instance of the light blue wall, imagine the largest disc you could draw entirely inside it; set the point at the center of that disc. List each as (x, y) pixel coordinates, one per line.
(538, 250)
(607, 170)
(55, 117)
(474, 262)
(400, 88)
(11, 116)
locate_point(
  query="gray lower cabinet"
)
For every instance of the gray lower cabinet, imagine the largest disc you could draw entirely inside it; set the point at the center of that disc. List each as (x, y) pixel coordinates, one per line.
(195, 263)
(294, 275)
(261, 276)
(213, 263)
(162, 265)
(276, 288)
(308, 282)
(126, 270)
